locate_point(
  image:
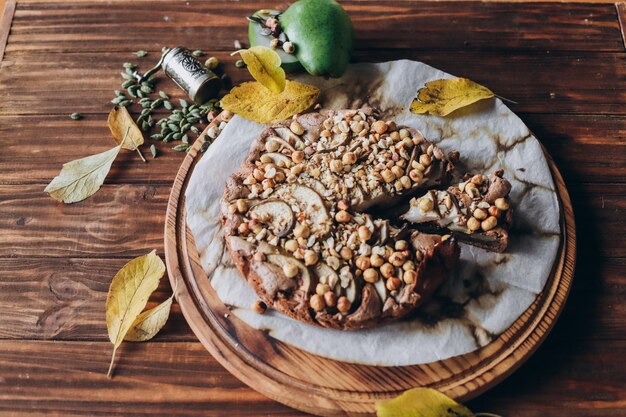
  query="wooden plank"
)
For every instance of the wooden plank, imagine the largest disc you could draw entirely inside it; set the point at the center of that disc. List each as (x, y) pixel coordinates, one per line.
(126, 221)
(5, 24)
(70, 27)
(64, 298)
(68, 378)
(621, 17)
(555, 83)
(578, 143)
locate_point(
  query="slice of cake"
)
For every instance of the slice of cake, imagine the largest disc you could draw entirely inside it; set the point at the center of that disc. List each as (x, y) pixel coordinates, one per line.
(477, 211)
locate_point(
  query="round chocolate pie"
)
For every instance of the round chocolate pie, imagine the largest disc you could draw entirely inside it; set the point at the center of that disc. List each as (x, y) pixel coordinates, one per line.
(301, 224)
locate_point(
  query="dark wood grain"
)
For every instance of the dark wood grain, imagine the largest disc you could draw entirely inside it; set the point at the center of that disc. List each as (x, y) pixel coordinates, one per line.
(563, 63)
(88, 27)
(181, 379)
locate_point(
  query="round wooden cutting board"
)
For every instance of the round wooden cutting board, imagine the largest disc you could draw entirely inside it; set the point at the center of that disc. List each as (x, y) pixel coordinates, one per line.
(331, 388)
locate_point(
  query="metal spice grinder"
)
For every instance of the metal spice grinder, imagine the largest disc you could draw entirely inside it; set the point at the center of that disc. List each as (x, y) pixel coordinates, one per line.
(200, 83)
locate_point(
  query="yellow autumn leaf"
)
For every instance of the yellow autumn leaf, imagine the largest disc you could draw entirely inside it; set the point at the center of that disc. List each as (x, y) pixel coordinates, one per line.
(124, 130)
(120, 122)
(442, 97)
(128, 294)
(254, 102)
(422, 402)
(263, 64)
(150, 322)
(81, 178)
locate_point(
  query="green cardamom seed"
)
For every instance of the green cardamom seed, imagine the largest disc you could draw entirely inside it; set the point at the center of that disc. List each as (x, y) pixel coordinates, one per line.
(76, 116)
(181, 148)
(153, 151)
(198, 53)
(141, 53)
(183, 103)
(168, 105)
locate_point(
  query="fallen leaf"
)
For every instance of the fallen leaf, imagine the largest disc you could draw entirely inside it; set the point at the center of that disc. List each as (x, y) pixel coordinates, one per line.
(150, 322)
(128, 294)
(120, 122)
(442, 97)
(264, 65)
(81, 178)
(422, 402)
(254, 102)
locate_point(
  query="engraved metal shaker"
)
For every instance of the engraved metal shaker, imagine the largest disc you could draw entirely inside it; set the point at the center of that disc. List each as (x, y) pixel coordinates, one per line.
(200, 83)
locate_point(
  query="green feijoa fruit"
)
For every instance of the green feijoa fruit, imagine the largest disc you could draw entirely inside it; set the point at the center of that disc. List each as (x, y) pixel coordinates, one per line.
(322, 34)
(256, 36)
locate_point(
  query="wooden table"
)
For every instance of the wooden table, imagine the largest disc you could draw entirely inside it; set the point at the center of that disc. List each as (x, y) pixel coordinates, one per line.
(565, 64)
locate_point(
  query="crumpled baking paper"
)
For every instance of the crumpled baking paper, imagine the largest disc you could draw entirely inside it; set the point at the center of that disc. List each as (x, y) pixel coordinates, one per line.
(489, 292)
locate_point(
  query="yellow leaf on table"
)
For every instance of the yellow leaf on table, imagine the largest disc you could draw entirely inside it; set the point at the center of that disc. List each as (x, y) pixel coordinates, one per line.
(122, 124)
(128, 294)
(264, 65)
(150, 322)
(81, 178)
(254, 102)
(442, 97)
(422, 402)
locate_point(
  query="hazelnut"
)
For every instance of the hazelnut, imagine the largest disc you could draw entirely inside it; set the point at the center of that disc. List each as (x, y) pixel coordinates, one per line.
(268, 183)
(403, 133)
(393, 284)
(471, 190)
(330, 298)
(336, 165)
(397, 259)
(489, 223)
(477, 179)
(370, 275)
(296, 127)
(272, 146)
(320, 289)
(310, 257)
(376, 260)
(415, 175)
(363, 262)
(301, 230)
(346, 253)
(425, 159)
(502, 204)
(387, 175)
(494, 211)
(343, 205)
(342, 216)
(243, 229)
(480, 214)
(379, 127)
(409, 277)
(405, 181)
(291, 245)
(408, 265)
(365, 233)
(317, 303)
(259, 307)
(348, 158)
(343, 304)
(426, 204)
(290, 270)
(387, 270)
(401, 245)
(473, 224)
(297, 156)
(397, 171)
(391, 126)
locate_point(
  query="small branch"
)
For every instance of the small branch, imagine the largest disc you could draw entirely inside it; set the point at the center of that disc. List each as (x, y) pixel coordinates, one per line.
(110, 373)
(506, 99)
(140, 154)
(485, 415)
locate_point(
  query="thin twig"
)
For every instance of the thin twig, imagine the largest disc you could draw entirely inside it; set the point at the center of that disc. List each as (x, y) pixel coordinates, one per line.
(506, 99)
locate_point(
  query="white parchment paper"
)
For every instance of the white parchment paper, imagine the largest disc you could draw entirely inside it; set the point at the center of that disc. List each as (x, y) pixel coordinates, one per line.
(489, 292)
